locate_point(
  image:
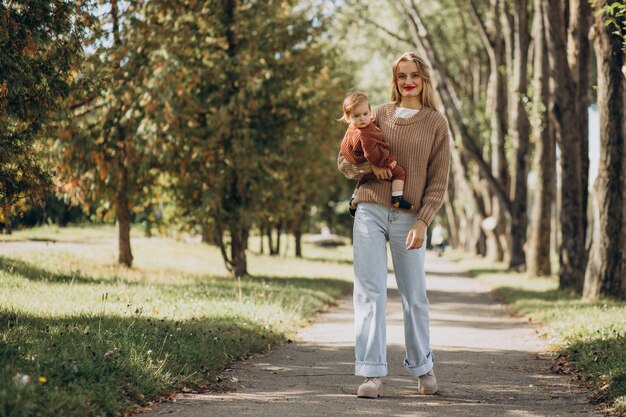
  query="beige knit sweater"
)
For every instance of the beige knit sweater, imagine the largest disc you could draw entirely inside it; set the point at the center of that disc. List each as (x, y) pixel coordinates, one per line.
(422, 147)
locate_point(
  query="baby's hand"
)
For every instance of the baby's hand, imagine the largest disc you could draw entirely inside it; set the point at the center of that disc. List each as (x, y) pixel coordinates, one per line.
(393, 164)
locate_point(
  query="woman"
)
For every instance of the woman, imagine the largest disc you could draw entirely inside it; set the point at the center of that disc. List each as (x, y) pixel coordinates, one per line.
(418, 136)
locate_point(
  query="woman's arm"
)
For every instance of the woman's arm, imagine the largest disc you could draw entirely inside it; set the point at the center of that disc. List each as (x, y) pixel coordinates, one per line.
(436, 186)
(436, 175)
(355, 171)
(352, 171)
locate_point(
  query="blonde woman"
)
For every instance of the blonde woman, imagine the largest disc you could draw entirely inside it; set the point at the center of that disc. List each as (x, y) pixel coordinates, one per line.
(418, 135)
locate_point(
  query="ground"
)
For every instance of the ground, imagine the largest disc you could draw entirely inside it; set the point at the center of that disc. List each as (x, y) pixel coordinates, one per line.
(488, 363)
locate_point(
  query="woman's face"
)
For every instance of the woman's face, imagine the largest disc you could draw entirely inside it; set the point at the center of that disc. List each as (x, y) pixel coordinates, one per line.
(409, 82)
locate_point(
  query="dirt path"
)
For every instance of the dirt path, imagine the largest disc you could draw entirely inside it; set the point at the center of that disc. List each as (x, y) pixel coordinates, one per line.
(488, 364)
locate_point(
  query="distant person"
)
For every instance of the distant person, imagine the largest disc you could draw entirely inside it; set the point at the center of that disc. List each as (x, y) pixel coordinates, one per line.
(418, 136)
(364, 142)
(439, 238)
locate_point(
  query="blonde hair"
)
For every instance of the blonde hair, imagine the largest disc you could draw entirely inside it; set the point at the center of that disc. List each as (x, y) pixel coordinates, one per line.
(428, 91)
(351, 101)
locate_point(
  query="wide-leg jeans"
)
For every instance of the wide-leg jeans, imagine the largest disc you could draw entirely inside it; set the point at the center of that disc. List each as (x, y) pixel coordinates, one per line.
(374, 225)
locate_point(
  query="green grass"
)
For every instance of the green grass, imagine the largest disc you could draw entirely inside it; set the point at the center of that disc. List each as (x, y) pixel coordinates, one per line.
(72, 233)
(590, 335)
(108, 339)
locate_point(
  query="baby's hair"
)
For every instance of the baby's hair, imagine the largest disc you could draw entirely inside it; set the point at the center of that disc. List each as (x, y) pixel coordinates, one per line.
(350, 102)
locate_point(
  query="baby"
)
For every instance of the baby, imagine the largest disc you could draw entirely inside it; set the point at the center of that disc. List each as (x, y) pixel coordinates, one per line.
(364, 141)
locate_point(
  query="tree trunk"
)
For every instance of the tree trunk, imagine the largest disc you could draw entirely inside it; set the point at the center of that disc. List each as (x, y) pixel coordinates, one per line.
(479, 245)
(278, 238)
(491, 223)
(8, 219)
(238, 245)
(578, 50)
(623, 238)
(125, 255)
(496, 107)
(494, 43)
(261, 238)
(270, 240)
(297, 234)
(623, 235)
(540, 249)
(563, 113)
(467, 211)
(519, 132)
(207, 236)
(604, 275)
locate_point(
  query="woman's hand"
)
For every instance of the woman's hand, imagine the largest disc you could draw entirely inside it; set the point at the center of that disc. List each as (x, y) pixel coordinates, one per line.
(415, 239)
(381, 173)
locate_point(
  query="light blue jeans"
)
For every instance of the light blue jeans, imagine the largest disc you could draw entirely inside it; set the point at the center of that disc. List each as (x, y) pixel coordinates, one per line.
(374, 225)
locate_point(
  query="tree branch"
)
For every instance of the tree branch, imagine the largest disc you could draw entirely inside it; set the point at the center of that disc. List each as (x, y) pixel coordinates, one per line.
(362, 17)
(482, 31)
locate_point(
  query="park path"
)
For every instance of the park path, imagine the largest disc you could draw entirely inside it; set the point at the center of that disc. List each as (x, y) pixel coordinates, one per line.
(488, 364)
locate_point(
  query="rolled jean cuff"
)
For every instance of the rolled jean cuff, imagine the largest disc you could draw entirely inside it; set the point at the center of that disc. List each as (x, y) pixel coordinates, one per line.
(422, 368)
(370, 369)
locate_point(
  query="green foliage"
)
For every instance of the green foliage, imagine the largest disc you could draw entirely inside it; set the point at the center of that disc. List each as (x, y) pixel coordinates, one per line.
(101, 152)
(371, 35)
(614, 15)
(41, 46)
(247, 103)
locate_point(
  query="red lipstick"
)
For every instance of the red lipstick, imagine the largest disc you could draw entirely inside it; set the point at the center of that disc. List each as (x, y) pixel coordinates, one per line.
(409, 87)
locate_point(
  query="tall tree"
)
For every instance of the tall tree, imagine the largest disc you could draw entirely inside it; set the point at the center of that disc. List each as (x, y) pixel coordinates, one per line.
(566, 111)
(493, 41)
(236, 89)
(459, 122)
(41, 43)
(106, 162)
(605, 274)
(545, 156)
(519, 133)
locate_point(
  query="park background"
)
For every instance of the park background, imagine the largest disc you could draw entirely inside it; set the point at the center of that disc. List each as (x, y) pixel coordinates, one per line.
(163, 163)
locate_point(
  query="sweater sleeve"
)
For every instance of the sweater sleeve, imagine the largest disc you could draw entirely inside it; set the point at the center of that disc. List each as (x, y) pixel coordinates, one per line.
(352, 171)
(436, 175)
(373, 152)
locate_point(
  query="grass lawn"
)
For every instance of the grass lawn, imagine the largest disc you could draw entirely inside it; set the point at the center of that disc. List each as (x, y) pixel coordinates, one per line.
(81, 336)
(591, 337)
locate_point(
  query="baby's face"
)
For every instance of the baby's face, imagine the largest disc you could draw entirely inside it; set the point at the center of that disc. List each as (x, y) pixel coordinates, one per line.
(361, 115)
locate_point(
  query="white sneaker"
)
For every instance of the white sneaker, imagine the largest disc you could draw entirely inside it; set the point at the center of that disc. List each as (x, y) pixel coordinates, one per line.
(371, 388)
(427, 383)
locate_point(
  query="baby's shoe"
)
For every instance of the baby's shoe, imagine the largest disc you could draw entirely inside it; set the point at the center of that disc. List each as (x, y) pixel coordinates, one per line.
(352, 208)
(400, 202)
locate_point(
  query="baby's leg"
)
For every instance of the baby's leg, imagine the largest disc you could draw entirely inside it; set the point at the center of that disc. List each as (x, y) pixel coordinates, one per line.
(397, 188)
(362, 180)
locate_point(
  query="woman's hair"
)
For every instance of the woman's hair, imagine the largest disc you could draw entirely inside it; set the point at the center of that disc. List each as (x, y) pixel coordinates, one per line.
(428, 92)
(351, 101)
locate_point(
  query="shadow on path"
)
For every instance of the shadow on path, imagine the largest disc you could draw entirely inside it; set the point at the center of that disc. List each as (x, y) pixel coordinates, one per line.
(487, 363)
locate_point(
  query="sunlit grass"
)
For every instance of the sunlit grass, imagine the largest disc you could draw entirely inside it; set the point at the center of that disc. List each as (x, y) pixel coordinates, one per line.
(53, 233)
(592, 335)
(106, 338)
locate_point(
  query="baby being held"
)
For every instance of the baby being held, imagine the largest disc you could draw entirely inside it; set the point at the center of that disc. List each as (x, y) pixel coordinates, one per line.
(364, 141)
